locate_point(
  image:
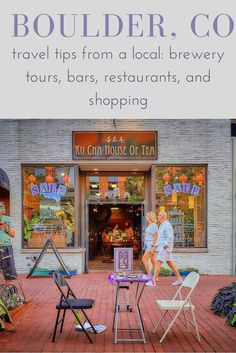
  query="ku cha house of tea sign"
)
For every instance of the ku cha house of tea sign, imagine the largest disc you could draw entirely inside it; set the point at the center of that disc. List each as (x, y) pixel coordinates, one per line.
(115, 145)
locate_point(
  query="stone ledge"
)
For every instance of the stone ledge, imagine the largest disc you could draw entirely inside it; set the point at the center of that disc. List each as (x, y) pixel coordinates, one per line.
(61, 251)
(191, 250)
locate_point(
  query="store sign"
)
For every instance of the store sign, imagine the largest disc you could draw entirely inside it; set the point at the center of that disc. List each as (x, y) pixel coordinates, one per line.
(115, 145)
(43, 188)
(185, 187)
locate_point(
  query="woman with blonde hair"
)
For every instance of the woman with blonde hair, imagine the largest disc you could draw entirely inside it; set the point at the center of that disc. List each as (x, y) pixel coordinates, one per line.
(150, 241)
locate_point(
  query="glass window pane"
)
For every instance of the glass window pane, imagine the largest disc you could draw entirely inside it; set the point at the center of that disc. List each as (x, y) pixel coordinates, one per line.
(113, 179)
(181, 192)
(48, 206)
(125, 187)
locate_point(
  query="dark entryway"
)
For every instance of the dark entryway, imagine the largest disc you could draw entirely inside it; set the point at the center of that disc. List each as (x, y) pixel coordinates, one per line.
(113, 225)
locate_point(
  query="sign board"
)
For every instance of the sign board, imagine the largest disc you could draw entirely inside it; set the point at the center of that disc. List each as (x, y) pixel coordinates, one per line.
(114, 145)
(123, 259)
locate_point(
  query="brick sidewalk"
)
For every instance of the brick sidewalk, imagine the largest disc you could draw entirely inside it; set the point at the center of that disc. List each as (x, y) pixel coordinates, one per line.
(34, 331)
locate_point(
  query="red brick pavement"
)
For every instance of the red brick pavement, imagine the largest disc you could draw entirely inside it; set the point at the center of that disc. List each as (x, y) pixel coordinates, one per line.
(34, 332)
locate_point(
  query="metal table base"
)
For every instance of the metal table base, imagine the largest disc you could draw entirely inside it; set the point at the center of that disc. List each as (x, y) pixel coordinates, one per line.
(140, 285)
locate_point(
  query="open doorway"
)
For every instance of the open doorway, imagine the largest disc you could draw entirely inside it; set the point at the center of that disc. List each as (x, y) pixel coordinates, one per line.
(114, 225)
(5, 191)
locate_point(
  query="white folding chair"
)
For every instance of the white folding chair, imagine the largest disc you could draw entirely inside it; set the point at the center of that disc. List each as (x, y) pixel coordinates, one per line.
(180, 302)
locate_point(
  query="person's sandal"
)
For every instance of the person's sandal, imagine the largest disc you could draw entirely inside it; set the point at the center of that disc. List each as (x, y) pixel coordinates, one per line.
(178, 282)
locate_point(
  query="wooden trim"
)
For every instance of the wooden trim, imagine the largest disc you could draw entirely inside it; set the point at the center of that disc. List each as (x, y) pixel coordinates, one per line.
(153, 187)
(190, 250)
(76, 208)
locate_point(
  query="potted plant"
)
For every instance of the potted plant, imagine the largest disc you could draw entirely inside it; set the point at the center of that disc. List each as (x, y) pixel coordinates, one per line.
(186, 270)
(165, 272)
(224, 303)
(11, 300)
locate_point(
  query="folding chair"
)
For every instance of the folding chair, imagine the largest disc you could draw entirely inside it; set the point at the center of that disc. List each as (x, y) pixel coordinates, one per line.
(68, 301)
(179, 304)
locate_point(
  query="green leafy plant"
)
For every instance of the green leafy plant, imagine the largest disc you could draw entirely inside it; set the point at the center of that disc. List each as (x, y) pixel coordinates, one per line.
(188, 269)
(11, 300)
(192, 269)
(28, 227)
(224, 303)
(135, 187)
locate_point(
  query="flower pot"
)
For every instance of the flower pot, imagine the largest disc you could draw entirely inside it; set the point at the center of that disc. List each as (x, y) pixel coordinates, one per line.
(17, 313)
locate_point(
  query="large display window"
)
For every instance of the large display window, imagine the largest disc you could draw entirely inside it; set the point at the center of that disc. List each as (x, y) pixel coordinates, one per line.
(48, 206)
(181, 192)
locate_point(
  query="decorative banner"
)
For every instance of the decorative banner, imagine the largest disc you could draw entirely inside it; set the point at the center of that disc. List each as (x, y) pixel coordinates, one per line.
(114, 145)
(186, 188)
(195, 190)
(177, 187)
(174, 197)
(191, 202)
(167, 190)
(34, 189)
(61, 190)
(47, 188)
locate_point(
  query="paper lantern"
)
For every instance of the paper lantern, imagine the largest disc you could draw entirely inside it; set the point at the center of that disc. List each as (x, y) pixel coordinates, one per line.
(49, 179)
(173, 170)
(191, 202)
(200, 179)
(166, 178)
(174, 197)
(183, 178)
(66, 180)
(31, 179)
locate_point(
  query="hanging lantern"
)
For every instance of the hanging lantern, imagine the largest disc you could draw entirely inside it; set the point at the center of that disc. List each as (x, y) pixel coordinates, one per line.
(174, 197)
(66, 180)
(166, 178)
(173, 170)
(200, 179)
(183, 178)
(31, 179)
(191, 202)
(49, 179)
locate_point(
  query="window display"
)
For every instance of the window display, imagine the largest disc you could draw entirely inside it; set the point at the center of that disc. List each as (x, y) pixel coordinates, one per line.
(48, 206)
(180, 191)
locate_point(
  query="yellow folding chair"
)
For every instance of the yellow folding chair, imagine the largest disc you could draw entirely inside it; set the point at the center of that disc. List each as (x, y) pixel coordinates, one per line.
(180, 302)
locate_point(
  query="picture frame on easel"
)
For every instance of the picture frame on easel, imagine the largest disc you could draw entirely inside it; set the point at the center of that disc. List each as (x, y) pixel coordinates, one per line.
(123, 259)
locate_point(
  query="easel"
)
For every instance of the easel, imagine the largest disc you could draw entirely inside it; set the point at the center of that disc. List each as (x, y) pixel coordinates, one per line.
(49, 242)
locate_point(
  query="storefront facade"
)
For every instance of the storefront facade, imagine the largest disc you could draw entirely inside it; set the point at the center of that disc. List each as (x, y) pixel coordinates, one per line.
(70, 189)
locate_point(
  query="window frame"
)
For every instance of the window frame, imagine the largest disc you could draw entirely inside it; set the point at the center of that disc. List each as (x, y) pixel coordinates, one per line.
(77, 235)
(190, 165)
(98, 182)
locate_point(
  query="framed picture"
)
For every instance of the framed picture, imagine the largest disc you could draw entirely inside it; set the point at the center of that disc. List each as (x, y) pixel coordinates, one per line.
(123, 259)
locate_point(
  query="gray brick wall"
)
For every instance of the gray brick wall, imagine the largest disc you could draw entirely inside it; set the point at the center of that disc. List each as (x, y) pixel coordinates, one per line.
(179, 141)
